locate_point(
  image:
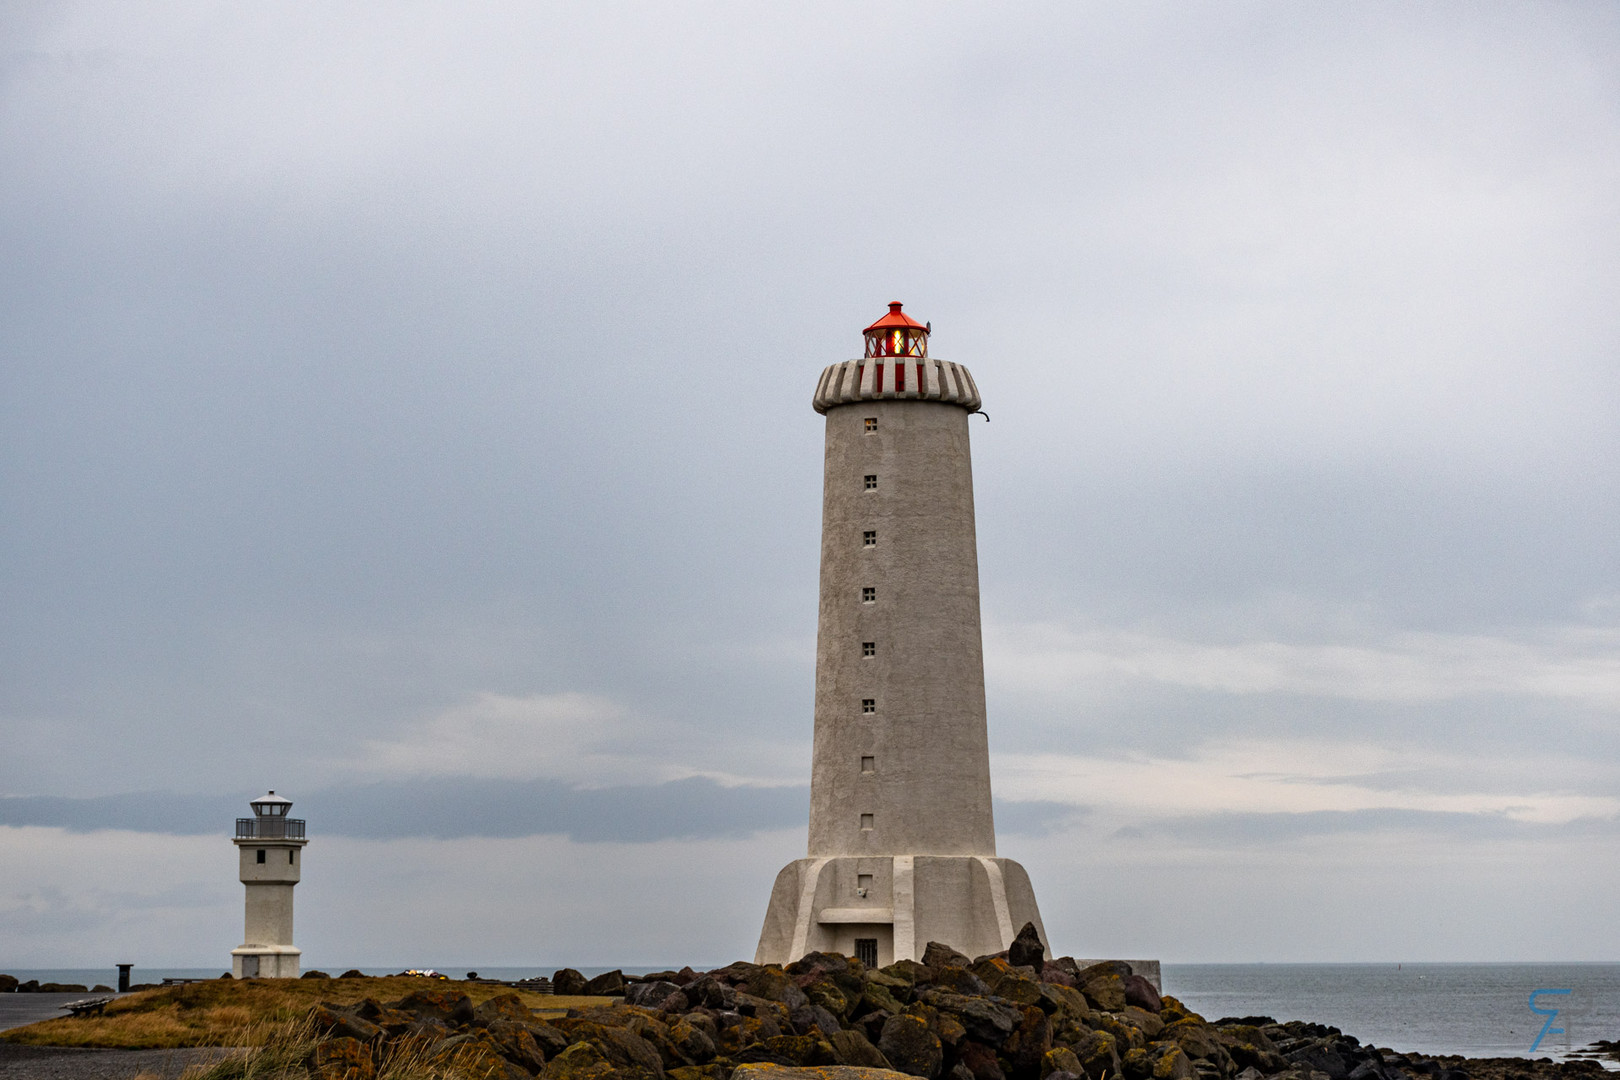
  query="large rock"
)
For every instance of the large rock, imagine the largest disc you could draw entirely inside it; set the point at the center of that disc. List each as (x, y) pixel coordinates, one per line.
(503, 1007)
(581, 1061)
(339, 1023)
(517, 1044)
(911, 1047)
(979, 1060)
(568, 983)
(1060, 1059)
(341, 1059)
(650, 995)
(1099, 1055)
(1140, 992)
(938, 955)
(856, 1049)
(1026, 949)
(607, 984)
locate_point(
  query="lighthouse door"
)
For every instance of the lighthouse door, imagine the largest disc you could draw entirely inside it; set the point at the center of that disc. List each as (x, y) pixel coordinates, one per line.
(250, 967)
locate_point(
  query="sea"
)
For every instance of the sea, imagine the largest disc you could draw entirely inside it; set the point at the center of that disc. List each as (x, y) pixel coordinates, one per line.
(1477, 1010)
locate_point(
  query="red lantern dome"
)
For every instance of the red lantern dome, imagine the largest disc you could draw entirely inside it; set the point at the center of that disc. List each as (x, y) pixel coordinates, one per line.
(897, 334)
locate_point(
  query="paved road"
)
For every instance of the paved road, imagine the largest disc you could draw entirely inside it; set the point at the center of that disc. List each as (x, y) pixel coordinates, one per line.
(19, 1009)
(65, 1063)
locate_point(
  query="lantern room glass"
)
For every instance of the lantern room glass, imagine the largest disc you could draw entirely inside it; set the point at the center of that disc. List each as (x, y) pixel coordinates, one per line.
(897, 341)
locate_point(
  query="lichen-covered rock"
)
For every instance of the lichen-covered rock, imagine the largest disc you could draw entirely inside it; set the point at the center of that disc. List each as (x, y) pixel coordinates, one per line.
(339, 1023)
(774, 984)
(516, 1043)
(856, 1049)
(990, 1022)
(581, 1061)
(979, 1060)
(1029, 1043)
(453, 1009)
(960, 980)
(503, 1007)
(936, 955)
(1098, 1054)
(694, 1045)
(341, 1059)
(1104, 990)
(911, 1047)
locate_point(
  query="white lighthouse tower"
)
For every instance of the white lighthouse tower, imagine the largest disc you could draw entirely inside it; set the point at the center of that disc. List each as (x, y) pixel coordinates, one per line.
(902, 842)
(271, 846)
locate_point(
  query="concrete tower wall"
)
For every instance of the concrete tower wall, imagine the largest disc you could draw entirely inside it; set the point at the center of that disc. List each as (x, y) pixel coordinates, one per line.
(267, 949)
(926, 786)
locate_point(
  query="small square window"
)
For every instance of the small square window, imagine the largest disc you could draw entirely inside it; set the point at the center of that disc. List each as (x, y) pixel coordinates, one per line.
(871, 481)
(868, 705)
(261, 854)
(868, 648)
(866, 822)
(868, 764)
(868, 596)
(869, 538)
(871, 424)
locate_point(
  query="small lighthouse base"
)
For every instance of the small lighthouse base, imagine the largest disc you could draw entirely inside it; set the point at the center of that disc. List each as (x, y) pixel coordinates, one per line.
(889, 907)
(265, 962)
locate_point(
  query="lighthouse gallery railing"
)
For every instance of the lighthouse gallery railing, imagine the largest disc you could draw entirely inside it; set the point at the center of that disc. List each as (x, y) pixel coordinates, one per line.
(269, 828)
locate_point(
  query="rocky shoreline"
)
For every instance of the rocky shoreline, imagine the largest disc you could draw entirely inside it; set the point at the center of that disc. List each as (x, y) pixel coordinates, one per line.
(1010, 1016)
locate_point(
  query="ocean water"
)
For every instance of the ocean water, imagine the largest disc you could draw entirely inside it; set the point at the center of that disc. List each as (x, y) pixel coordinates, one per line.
(1478, 1010)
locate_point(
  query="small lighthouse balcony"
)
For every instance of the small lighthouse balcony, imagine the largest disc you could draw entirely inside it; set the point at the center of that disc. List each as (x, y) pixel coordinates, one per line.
(269, 828)
(270, 820)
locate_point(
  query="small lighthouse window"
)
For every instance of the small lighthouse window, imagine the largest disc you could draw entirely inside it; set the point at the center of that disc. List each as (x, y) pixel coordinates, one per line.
(868, 596)
(868, 648)
(871, 481)
(290, 853)
(869, 538)
(868, 705)
(261, 854)
(871, 424)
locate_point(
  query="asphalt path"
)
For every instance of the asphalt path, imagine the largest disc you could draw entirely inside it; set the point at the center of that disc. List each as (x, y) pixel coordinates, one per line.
(72, 1063)
(19, 1009)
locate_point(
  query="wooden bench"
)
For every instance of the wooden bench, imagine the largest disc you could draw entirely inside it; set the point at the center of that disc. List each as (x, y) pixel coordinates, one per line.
(88, 1006)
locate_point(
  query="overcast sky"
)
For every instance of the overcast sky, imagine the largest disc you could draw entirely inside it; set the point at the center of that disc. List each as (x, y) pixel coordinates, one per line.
(407, 408)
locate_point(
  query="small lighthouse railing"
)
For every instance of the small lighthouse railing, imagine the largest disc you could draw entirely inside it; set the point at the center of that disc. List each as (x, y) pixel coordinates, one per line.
(269, 828)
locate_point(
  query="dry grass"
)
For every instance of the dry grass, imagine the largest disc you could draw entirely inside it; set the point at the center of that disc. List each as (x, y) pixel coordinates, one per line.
(282, 1051)
(245, 1012)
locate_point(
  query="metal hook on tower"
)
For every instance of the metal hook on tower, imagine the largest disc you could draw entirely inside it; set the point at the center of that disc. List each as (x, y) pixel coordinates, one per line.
(980, 412)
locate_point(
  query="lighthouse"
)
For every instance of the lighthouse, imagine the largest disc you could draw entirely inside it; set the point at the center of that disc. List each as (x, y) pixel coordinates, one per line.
(270, 849)
(902, 844)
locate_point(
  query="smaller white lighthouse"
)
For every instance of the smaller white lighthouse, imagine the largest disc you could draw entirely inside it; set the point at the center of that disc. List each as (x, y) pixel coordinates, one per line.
(270, 844)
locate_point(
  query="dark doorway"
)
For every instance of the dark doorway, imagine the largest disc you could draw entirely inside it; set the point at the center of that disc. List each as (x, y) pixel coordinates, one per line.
(866, 950)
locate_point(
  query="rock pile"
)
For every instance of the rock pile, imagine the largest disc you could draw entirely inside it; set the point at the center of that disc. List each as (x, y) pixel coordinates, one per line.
(1015, 1016)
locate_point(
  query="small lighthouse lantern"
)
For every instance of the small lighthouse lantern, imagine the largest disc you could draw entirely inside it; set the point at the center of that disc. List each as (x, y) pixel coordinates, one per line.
(897, 334)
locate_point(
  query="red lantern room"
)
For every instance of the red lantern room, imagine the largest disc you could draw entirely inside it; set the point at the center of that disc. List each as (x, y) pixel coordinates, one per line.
(897, 334)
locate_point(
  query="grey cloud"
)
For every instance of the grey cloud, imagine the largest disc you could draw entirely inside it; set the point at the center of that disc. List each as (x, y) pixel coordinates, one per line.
(1244, 830)
(446, 808)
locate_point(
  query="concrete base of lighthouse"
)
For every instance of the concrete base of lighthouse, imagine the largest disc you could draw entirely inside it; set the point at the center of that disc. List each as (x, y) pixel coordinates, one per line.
(974, 904)
(265, 962)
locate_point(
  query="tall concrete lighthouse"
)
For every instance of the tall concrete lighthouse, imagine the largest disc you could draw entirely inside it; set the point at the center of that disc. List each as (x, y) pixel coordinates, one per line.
(902, 842)
(271, 856)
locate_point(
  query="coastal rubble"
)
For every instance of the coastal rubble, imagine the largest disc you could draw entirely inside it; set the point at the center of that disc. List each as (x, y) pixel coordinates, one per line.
(831, 1017)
